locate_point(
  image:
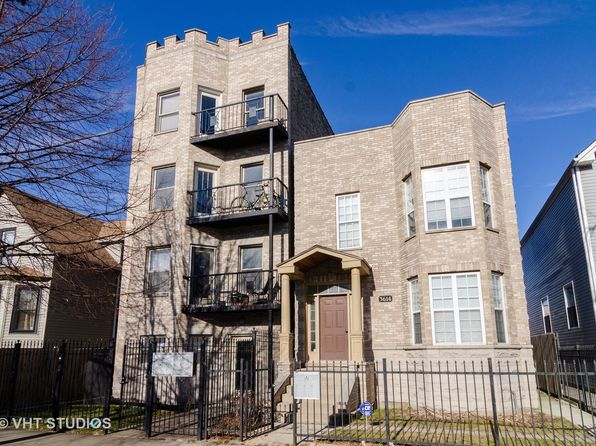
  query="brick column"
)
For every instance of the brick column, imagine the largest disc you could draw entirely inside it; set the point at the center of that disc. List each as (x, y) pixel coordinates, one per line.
(356, 350)
(286, 352)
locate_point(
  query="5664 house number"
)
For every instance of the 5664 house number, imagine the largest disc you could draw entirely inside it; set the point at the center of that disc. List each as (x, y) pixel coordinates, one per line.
(386, 298)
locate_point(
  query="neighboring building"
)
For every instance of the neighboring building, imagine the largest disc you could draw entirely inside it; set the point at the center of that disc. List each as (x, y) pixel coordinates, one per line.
(407, 233)
(408, 240)
(558, 257)
(59, 271)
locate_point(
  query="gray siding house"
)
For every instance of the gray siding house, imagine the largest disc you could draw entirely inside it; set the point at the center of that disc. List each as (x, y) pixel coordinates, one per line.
(558, 257)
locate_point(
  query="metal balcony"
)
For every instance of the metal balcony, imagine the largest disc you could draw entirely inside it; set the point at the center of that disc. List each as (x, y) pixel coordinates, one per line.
(238, 291)
(241, 203)
(241, 123)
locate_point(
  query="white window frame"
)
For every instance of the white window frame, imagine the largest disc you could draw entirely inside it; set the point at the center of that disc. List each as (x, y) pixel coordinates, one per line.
(456, 308)
(148, 290)
(160, 115)
(413, 311)
(569, 327)
(503, 306)
(447, 200)
(154, 189)
(337, 223)
(486, 193)
(243, 249)
(409, 188)
(217, 97)
(550, 315)
(5, 246)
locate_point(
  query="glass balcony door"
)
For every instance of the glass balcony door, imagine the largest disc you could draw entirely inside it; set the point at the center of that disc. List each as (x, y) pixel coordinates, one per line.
(252, 179)
(201, 266)
(204, 198)
(208, 116)
(254, 106)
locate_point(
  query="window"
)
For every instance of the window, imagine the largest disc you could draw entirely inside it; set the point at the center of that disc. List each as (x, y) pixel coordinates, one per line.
(252, 178)
(486, 197)
(167, 111)
(313, 326)
(546, 315)
(208, 115)
(456, 309)
(447, 199)
(24, 312)
(163, 188)
(7, 239)
(245, 358)
(158, 271)
(254, 106)
(348, 221)
(204, 196)
(251, 264)
(410, 206)
(416, 317)
(569, 293)
(499, 304)
(201, 280)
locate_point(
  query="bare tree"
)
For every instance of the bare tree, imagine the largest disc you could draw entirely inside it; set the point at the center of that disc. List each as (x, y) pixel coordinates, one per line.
(65, 132)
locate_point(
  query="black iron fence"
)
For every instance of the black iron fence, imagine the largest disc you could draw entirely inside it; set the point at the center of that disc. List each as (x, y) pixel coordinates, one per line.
(242, 115)
(233, 291)
(229, 393)
(232, 199)
(441, 403)
(58, 379)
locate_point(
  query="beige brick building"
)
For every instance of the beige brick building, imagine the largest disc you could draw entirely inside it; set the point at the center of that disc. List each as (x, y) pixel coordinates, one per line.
(398, 241)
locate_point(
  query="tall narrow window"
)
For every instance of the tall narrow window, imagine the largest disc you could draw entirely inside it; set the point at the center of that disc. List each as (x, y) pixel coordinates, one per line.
(416, 317)
(254, 106)
(348, 221)
(209, 114)
(7, 239)
(313, 327)
(251, 264)
(499, 304)
(546, 315)
(24, 312)
(163, 188)
(204, 196)
(411, 221)
(456, 309)
(158, 271)
(167, 111)
(486, 197)
(252, 179)
(447, 197)
(570, 306)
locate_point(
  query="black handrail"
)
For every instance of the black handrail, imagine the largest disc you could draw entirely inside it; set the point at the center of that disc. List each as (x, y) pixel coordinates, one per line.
(233, 289)
(242, 114)
(239, 198)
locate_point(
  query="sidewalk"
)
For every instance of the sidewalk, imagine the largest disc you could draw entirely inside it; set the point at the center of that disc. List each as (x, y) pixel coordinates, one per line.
(280, 437)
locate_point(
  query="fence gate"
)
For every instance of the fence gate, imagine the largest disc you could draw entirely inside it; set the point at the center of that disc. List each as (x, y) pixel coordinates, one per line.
(228, 394)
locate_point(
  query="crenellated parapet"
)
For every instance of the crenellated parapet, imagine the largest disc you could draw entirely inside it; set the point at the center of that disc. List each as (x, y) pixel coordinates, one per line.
(198, 38)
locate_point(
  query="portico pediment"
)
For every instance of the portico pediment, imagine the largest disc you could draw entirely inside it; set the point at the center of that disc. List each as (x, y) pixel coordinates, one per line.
(304, 261)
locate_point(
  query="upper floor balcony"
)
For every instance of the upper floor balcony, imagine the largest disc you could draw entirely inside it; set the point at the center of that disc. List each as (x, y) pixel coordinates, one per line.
(244, 203)
(236, 291)
(241, 123)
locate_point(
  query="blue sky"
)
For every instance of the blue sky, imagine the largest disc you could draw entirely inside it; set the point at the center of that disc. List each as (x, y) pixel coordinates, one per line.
(366, 60)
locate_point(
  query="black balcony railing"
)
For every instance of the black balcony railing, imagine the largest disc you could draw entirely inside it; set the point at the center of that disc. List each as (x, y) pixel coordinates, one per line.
(244, 290)
(253, 113)
(255, 198)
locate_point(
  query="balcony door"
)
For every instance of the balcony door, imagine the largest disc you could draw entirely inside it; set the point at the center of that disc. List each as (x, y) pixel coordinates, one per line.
(251, 265)
(252, 179)
(204, 183)
(201, 266)
(254, 106)
(208, 118)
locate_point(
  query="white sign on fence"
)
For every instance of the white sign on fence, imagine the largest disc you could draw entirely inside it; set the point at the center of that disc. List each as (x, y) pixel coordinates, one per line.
(307, 385)
(173, 364)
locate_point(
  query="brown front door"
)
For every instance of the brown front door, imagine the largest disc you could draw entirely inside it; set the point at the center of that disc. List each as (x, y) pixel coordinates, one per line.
(333, 313)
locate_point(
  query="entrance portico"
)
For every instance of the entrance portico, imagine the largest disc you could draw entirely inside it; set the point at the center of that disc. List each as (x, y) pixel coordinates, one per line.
(331, 286)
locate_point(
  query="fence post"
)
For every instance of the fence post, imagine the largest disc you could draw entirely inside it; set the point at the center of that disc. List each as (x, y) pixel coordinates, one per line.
(12, 380)
(201, 412)
(111, 355)
(493, 398)
(58, 381)
(386, 395)
(149, 391)
(242, 399)
(122, 384)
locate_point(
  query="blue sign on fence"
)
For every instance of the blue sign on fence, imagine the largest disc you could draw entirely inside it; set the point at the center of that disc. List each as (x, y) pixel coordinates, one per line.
(366, 409)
